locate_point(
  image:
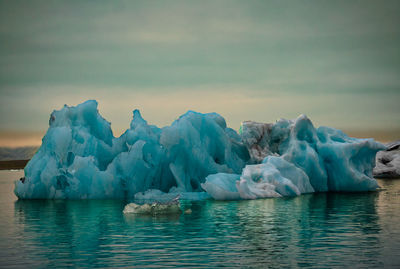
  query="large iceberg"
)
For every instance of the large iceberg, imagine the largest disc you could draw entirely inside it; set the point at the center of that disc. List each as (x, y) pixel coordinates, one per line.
(81, 159)
(297, 158)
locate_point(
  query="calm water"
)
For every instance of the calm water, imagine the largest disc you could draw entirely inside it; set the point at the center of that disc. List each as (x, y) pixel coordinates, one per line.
(320, 230)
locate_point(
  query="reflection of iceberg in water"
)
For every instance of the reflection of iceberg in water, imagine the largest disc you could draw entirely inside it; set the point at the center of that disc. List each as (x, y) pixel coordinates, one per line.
(62, 233)
(300, 231)
(388, 206)
(251, 233)
(81, 159)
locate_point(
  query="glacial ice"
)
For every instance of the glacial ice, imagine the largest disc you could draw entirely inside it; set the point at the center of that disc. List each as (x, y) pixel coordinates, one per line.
(155, 208)
(297, 158)
(388, 161)
(155, 195)
(81, 159)
(152, 209)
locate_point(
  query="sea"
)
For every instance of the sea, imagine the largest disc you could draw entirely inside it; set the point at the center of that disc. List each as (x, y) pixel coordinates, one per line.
(324, 230)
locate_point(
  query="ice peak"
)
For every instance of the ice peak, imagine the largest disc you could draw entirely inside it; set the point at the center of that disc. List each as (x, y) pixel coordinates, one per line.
(137, 119)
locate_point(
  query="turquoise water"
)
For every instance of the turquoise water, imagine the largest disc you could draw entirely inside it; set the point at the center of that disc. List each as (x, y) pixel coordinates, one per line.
(318, 230)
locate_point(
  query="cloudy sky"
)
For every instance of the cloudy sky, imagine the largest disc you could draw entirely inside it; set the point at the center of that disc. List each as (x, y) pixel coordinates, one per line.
(336, 61)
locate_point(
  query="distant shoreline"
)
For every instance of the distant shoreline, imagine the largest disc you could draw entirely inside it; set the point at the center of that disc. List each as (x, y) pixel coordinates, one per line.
(13, 164)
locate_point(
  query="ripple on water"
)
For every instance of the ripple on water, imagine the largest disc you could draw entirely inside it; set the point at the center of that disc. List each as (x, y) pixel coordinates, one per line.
(318, 230)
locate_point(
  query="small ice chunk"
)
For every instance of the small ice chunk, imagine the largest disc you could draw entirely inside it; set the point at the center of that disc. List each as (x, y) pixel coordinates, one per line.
(153, 209)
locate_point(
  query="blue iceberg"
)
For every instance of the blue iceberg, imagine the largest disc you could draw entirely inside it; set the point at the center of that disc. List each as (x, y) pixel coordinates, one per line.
(298, 158)
(81, 159)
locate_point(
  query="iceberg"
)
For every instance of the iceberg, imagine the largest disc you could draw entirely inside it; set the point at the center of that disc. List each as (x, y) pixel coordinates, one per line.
(81, 159)
(298, 158)
(196, 157)
(388, 161)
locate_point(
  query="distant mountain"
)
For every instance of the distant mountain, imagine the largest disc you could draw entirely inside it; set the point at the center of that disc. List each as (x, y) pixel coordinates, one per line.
(20, 153)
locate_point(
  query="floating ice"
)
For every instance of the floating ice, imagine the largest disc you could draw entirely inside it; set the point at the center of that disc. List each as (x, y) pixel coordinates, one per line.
(222, 186)
(155, 208)
(81, 159)
(301, 159)
(154, 195)
(388, 161)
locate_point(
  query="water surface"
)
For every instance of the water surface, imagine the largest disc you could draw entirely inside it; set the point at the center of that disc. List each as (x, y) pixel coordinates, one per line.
(316, 230)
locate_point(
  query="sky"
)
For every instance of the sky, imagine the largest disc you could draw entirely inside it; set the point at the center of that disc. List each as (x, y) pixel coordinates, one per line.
(338, 62)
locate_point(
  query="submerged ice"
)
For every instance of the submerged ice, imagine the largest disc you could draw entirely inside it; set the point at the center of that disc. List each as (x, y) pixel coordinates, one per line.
(81, 159)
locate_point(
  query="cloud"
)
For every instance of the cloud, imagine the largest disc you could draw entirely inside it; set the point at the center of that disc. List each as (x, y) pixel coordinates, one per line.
(338, 62)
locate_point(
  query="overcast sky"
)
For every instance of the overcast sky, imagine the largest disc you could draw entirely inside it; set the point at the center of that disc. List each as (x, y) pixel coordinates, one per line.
(336, 61)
